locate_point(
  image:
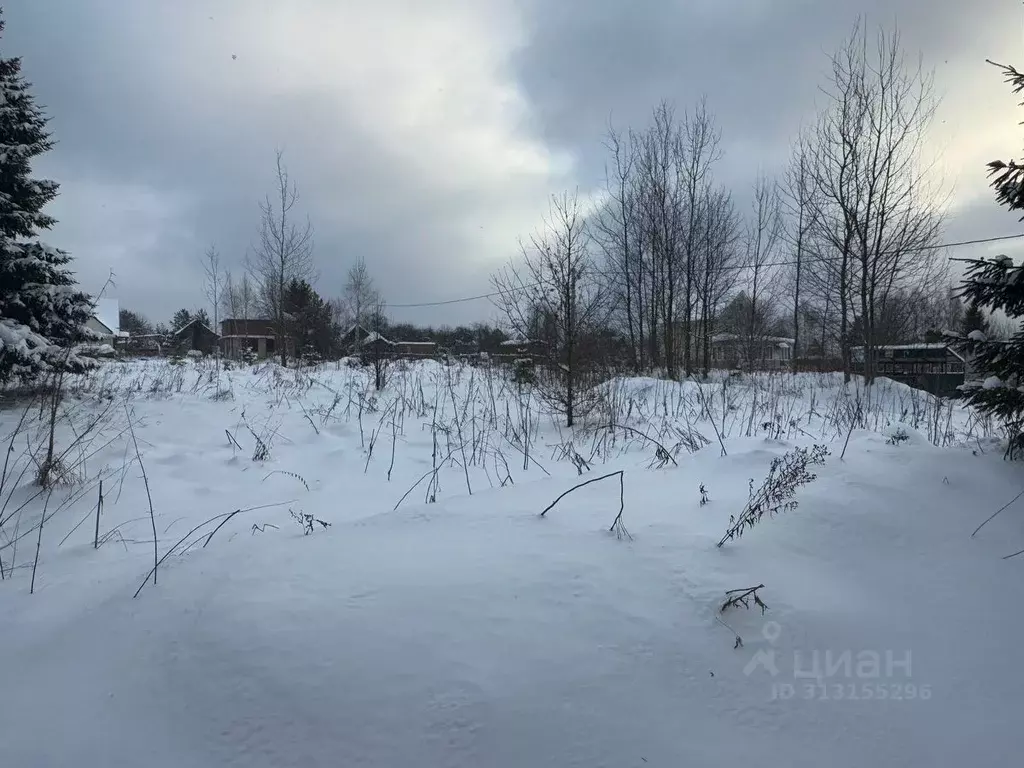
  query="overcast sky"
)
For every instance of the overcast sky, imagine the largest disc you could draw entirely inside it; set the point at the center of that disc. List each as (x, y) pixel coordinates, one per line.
(427, 135)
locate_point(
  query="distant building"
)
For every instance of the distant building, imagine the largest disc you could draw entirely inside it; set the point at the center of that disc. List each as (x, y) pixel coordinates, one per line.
(521, 348)
(415, 349)
(933, 367)
(238, 336)
(195, 336)
(732, 350)
(105, 321)
(375, 347)
(351, 339)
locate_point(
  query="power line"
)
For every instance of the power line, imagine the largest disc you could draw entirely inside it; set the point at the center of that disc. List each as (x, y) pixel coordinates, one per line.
(802, 262)
(451, 301)
(918, 249)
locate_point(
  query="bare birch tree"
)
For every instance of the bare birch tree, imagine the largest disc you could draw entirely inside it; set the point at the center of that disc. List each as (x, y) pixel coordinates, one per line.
(360, 298)
(213, 285)
(284, 252)
(237, 300)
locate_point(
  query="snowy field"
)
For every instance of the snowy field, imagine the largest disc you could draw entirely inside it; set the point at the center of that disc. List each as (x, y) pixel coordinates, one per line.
(387, 594)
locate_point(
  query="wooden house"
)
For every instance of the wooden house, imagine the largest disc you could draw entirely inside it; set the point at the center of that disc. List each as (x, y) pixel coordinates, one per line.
(513, 349)
(239, 337)
(352, 339)
(737, 351)
(415, 349)
(195, 336)
(933, 367)
(375, 347)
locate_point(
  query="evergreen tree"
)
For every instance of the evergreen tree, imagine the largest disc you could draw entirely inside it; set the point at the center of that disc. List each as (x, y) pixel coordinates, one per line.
(309, 319)
(134, 323)
(181, 318)
(203, 317)
(42, 312)
(974, 320)
(999, 284)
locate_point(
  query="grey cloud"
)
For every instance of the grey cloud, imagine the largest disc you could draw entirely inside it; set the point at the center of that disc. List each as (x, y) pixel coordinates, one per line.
(759, 63)
(149, 106)
(126, 117)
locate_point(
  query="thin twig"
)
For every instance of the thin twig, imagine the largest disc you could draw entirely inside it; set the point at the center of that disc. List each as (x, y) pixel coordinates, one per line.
(149, 497)
(39, 542)
(577, 487)
(993, 515)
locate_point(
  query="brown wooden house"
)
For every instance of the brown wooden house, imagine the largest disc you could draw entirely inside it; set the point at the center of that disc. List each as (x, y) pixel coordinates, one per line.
(238, 336)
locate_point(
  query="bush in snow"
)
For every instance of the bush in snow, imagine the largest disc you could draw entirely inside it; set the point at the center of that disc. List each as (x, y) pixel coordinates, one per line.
(787, 474)
(898, 437)
(42, 313)
(307, 520)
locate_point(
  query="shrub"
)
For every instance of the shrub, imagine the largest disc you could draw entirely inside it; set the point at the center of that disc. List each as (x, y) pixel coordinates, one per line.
(786, 475)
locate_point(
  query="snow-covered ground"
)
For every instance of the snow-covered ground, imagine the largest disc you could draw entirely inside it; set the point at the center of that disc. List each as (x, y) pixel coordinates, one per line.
(437, 620)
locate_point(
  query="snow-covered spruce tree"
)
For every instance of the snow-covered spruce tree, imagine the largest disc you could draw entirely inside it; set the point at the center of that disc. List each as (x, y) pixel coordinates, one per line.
(42, 312)
(999, 284)
(997, 387)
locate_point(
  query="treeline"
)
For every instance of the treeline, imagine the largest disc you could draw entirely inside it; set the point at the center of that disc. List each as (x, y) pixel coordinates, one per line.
(840, 250)
(320, 328)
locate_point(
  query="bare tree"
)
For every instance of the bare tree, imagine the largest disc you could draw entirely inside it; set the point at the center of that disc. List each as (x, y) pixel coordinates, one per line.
(652, 232)
(717, 273)
(661, 214)
(764, 234)
(360, 298)
(879, 214)
(696, 154)
(213, 285)
(554, 294)
(283, 253)
(617, 233)
(380, 356)
(800, 210)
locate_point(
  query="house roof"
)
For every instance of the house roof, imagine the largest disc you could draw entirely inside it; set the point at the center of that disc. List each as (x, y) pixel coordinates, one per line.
(102, 327)
(242, 328)
(193, 322)
(108, 313)
(352, 328)
(720, 337)
(374, 336)
(923, 345)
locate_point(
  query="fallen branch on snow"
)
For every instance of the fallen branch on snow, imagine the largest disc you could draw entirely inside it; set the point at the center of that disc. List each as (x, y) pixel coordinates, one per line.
(737, 597)
(617, 525)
